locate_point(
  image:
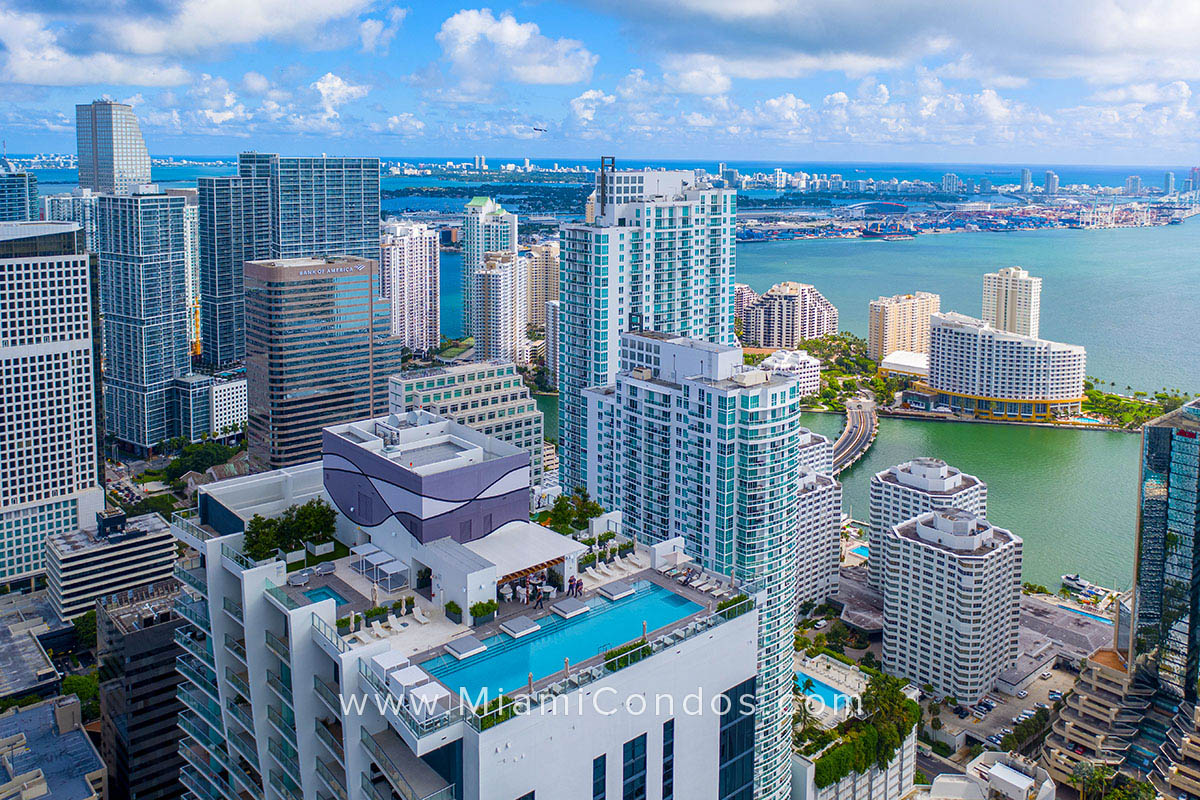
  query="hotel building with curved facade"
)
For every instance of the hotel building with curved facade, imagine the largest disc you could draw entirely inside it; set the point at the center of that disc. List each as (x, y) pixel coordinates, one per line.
(993, 374)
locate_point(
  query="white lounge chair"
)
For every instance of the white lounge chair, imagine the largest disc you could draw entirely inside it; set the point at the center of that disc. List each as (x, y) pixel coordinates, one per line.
(704, 587)
(393, 621)
(591, 573)
(603, 569)
(419, 615)
(637, 560)
(380, 631)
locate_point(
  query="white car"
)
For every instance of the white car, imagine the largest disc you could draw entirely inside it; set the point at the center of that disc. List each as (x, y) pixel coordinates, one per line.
(1045, 676)
(1022, 694)
(819, 624)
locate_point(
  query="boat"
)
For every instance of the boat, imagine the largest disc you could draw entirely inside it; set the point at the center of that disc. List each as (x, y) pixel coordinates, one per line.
(1075, 582)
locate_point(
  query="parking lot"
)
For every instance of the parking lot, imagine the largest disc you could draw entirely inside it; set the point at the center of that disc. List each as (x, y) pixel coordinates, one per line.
(996, 721)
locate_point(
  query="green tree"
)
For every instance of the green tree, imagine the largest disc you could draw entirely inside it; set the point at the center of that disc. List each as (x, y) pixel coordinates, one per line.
(85, 630)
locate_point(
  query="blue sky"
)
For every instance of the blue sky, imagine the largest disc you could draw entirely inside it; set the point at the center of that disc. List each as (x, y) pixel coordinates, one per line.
(1069, 81)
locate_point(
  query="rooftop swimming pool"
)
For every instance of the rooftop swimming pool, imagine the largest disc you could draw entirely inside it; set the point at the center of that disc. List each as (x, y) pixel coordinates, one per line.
(1081, 613)
(831, 697)
(861, 550)
(507, 662)
(325, 593)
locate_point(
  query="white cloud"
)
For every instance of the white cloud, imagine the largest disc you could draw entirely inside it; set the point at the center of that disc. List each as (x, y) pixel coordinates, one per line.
(255, 83)
(336, 91)
(377, 34)
(31, 53)
(405, 124)
(215, 101)
(584, 106)
(201, 25)
(483, 50)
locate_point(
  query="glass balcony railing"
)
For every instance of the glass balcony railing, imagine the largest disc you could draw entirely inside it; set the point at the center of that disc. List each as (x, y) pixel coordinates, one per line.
(392, 772)
(285, 724)
(191, 572)
(334, 777)
(280, 687)
(238, 683)
(233, 608)
(332, 739)
(236, 647)
(328, 694)
(196, 644)
(237, 558)
(194, 611)
(279, 647)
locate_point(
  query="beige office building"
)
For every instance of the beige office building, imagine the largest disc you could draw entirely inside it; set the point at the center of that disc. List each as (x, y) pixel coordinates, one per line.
(1012, 301)
(542, 286)
(318, 352)
(489, 397)
(900, 322)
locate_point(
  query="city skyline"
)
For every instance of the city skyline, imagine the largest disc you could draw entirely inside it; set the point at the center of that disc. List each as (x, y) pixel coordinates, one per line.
(559, 80)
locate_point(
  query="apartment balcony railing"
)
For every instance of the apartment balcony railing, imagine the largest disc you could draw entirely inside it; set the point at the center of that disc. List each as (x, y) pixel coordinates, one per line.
(191, 572)
(197, 645)
(279, 647)
(392, 771)
(194, 611)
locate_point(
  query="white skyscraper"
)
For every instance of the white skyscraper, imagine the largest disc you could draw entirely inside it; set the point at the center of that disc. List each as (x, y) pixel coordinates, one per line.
(992, 374)
(487, 228)
(410, 268)
(77, 206)
(294, 703)
(112, 154)
(690, 443)
(660, 257)
(49, 435)
(951, 602)
(906, 490)
(1012, 301)
(191, 250)
(498, 290)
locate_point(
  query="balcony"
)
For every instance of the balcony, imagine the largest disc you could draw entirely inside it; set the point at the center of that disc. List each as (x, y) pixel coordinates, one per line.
(200, 705)
(192, 573)
(244, 744)
(198, 674)
(194, 611)
(279, 646)
(189, 530)
(198, 645)
(239, 681)
(328, 694)
(198, 786)
(281, 688)
(234, 561)
(286, 757)
(334, 777)
(329, 731)
(284, 723)
(409, 776)
(286, 788)
(233, 609)
(236, 647)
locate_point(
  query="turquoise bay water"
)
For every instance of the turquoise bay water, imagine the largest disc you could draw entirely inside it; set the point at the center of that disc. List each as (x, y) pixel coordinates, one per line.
(1131, 296)
(1071, 495)
(507, 662)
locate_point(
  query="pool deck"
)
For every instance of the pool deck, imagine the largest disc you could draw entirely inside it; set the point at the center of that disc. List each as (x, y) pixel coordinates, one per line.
(512, 609)
(359, 593)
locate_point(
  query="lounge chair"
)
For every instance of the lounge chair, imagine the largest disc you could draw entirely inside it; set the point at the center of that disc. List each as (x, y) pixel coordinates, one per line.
(380, 631)
(704, 587)
(419, 615)
(603, 569)
(590, 572)
(698, 581)
(719, 591)
(393, 621)
(637, 560)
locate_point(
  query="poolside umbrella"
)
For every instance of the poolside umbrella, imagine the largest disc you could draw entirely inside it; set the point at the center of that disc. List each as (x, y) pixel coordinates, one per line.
(567, 667)
(531, 684)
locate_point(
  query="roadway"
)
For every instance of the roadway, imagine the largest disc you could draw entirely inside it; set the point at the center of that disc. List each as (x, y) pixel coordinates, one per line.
(861, 424)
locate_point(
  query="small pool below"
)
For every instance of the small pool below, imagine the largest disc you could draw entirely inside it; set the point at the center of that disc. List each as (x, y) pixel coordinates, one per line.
(831, 697)
(861, 550)
(325, 593)
(1097, 617)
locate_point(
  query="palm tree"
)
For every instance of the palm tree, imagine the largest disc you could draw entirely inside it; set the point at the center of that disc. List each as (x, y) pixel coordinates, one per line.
(1081, 778)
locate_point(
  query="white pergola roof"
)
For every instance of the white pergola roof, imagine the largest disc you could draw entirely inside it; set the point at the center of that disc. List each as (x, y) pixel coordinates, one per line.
(520, 546)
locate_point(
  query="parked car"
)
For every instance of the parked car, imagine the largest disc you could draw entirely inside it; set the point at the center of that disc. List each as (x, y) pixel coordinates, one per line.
(1022, 694)
(1045, 676)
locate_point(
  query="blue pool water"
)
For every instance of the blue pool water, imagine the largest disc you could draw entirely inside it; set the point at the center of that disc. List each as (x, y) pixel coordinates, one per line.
(1105, 620)
(828, 695)
(324, 593)
(861, 550)
(507, 662)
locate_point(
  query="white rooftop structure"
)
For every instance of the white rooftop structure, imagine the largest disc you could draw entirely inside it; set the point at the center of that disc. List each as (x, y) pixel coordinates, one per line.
(905, 362)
